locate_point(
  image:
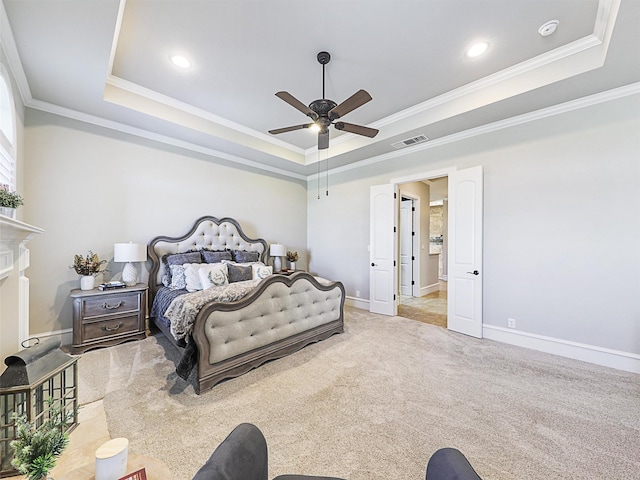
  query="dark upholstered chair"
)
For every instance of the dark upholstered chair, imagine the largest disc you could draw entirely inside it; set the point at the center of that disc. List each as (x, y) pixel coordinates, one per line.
(243, 456)
(450, 464)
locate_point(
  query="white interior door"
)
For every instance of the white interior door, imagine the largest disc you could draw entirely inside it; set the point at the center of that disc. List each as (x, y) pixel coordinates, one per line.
(406, 247)
(465, 252)
(383, 249)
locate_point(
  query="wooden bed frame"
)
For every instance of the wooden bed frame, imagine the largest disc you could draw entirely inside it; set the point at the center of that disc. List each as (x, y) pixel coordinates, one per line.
(282, 315)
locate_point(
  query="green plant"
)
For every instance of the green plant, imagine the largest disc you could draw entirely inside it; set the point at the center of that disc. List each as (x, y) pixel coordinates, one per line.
(9, 198)
(37, 448)
(89, 265)
(292, 256)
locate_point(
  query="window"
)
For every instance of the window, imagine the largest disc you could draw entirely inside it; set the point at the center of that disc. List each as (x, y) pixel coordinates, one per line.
(7, 132)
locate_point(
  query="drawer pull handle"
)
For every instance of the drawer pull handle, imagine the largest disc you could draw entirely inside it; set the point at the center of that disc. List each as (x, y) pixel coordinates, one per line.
(112, 329)
(112, 307)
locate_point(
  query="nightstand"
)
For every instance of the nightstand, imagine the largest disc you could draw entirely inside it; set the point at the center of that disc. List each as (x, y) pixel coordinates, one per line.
(108, 317)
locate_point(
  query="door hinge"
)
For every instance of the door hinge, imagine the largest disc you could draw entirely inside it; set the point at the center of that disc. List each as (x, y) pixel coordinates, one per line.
(394, 195)
(413, 209)
(413, 234)
(412, 282)
(394, 297)
(413, 258)
(394, 229)
(394, 263)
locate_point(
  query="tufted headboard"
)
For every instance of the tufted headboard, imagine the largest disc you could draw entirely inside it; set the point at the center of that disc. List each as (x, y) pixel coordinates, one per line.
(207, 232)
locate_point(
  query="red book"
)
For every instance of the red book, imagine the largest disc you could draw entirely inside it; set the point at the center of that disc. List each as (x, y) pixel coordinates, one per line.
(137, 475)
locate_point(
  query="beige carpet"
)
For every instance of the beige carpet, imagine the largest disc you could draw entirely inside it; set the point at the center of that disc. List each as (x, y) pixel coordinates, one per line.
(377, 401)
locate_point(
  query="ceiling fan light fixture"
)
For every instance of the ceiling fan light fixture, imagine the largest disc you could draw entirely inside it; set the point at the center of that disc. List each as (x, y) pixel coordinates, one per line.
(180, 61)
(477, 49)
(314, 127)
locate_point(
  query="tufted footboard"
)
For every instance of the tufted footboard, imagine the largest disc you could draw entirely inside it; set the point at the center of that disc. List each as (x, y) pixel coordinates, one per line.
(281, 316)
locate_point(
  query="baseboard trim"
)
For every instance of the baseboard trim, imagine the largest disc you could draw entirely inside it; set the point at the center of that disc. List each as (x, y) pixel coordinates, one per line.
(435, 287)
(356, 302)
(66, 335)
(629, 362)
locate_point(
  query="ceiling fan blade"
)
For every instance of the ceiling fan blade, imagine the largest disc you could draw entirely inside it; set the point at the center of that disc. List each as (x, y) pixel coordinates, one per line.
(323, 140)
(359, 129)
(290, 129)
(295, 103)
(354, 101)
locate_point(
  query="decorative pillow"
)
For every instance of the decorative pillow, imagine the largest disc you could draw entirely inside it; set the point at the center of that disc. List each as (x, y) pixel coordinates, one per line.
(242, 256)
(260, 271)
(239, 273)
(177, 279)
(213, 275)
(215, 256)
(177, 259)
(192, 278)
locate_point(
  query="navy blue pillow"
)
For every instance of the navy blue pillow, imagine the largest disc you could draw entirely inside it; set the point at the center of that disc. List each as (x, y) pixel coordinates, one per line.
(216, 256)
(242, 256)
(239, 273)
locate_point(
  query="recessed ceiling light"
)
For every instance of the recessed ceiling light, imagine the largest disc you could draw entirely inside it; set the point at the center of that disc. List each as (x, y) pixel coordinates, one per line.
(477, 49)
(548, 28)
(180, 61)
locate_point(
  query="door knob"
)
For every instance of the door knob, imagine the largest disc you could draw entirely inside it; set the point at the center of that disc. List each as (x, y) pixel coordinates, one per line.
(373, 264)
(475, 272)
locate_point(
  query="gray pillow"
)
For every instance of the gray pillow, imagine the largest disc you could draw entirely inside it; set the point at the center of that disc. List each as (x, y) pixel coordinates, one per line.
(242, 256)
(239, 273)
(215, 256)
(177, 259)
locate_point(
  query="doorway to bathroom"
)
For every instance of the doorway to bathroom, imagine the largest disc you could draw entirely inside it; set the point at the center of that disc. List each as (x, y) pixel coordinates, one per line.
(422, 248)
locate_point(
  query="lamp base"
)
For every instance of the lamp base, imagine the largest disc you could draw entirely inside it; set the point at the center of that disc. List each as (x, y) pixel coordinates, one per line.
(130, 274)
(277, 264)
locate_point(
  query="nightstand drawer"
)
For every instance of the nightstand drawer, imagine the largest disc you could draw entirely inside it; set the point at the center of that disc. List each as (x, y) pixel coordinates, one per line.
(110, 305)
(107, 328)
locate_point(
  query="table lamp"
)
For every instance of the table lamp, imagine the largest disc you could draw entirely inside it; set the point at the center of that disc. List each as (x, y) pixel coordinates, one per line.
(129, 252)
(277, 250)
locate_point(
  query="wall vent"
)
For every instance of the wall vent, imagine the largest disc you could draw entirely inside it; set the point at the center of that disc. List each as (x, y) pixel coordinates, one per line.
(410, 141)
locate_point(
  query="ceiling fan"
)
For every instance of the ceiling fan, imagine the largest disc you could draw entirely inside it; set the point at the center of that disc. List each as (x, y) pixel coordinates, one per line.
(325, 112)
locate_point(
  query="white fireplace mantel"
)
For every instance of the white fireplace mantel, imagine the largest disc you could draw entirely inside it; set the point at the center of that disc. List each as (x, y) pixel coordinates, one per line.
(14, 231)
(14, 285)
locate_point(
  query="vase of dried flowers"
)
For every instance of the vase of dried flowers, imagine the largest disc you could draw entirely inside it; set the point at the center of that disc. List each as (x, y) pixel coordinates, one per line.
(87, 267)
(292, 258)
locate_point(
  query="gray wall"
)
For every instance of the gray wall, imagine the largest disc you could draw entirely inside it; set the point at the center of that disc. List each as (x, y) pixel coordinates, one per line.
(90, 187)
(561, 222)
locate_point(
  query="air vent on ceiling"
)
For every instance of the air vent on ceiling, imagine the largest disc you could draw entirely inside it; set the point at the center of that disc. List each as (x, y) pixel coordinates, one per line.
(410, 141)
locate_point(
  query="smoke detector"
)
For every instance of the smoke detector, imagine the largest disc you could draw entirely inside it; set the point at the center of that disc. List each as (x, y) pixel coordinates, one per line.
(548, 28)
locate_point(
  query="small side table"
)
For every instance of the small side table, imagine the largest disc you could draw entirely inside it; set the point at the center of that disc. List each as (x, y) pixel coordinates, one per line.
(103, 318)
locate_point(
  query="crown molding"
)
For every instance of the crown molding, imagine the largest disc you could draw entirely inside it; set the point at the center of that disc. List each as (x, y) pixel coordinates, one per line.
(554, 110)
(139, 132)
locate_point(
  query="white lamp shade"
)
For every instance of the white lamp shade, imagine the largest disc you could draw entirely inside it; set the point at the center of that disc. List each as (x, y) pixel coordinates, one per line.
(277, 250)
(129, 252)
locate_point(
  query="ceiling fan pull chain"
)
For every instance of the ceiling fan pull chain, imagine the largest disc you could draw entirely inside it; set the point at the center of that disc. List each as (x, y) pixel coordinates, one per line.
(327, 174)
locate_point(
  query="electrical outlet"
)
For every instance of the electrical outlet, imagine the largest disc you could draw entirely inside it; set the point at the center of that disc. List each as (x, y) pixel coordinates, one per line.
(511, 322)
(358, 293)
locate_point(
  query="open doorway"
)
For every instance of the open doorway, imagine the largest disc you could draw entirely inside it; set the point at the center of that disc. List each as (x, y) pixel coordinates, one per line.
(423, 244)
(464, 253)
